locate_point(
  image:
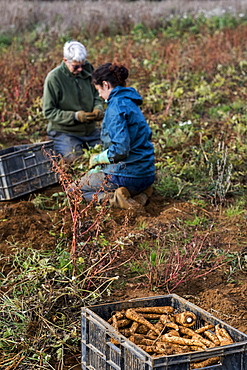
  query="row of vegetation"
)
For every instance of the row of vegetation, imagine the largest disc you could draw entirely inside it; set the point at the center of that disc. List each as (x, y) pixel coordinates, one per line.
(192, 74)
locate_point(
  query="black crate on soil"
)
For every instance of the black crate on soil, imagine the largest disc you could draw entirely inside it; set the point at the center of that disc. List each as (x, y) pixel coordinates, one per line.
(99, 353)
(25, 168)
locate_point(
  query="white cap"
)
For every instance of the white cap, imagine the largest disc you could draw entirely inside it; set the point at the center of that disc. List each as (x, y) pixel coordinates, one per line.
(74, 50)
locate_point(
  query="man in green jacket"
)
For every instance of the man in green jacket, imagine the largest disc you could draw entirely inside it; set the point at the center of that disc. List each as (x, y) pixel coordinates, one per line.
(72, 104)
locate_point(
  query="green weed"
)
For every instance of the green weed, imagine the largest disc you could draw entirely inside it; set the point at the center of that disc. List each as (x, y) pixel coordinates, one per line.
(237, 209)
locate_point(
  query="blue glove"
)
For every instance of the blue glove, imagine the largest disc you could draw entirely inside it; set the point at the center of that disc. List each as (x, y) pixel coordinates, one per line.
(100, 158)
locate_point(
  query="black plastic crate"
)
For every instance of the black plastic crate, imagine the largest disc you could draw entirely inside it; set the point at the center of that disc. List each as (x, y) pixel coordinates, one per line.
(25, 168)
(99, 353)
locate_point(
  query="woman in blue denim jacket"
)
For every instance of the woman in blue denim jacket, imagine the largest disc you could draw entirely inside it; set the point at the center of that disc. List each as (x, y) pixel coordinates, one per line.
(127, 159)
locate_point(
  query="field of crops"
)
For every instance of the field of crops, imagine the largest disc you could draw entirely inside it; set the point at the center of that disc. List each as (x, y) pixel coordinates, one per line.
(190, 65)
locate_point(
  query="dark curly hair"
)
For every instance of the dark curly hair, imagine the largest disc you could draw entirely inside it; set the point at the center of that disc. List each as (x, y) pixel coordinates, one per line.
(115, 74)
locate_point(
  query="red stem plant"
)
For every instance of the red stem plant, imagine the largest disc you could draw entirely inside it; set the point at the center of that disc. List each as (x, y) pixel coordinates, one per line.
(75, 202)
(100, 262)
(181, 264)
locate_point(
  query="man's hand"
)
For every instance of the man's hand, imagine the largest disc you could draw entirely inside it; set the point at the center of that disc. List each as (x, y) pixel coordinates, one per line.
(99, 115)
(82, 116)
(96, 115)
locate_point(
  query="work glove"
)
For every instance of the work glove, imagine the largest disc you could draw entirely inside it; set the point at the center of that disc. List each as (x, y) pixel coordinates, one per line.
(99, 115)
(96, 115)
(100, 158)
(95, 169)
(82, 116)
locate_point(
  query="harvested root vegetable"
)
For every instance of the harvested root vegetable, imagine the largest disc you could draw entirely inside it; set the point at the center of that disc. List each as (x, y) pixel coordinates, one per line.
(174, 333)
(182, 341)
(142, 329)
(139, 339)
(133, 315)
(171, 348)
(204, 328)
(167, 346)
(159, 326)
(126, 332)
(159, 331)
(212, 336)
(159, 310)
(118, 315)
(150, 349)
(194, 335)
(114, 322)
(223, 336)
(134, 326)
(185, 318)
(123, 323)
(165, 350)
(172, 325)
(150, 316)
(167, 321)
(151, 333)
(195, 348)
(164, 319)
(209, 362)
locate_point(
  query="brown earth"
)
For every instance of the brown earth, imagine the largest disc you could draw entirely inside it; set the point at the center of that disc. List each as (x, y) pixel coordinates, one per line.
(226, 299)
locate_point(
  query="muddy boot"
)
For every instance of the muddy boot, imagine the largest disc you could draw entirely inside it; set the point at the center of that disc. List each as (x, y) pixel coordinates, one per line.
(142, 198)
(122, 199)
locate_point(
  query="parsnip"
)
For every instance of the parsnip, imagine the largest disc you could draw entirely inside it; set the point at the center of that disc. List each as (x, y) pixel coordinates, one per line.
(140, 339)
(172, 348)
(142, 329)
(152, 335)
(212, 336)
(159, 310)
(182, 341)
(194, 335)
(150, 316)
(134, 327)
(118, 315)
(123, 323)
(115, 322)
(149, 349)
(204, 328)
(132, 315)
(209, 362)
(166, 320)
(126, 332)
(223, 336)
(185, 318)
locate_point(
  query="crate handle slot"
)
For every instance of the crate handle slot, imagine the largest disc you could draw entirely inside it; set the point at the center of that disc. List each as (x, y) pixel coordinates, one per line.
(30, 156)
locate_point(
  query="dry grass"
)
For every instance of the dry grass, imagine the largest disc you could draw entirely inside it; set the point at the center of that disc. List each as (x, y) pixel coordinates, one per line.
(60, 16)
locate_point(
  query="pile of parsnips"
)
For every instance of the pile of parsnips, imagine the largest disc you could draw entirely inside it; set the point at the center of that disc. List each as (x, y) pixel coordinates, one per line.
(160, 332)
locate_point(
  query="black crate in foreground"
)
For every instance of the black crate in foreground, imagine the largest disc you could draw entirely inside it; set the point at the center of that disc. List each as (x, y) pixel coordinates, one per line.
(98, 353)
(24, 169)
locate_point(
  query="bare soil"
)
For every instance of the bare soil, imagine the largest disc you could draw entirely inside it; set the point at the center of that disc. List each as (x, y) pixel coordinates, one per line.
(226, 299)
